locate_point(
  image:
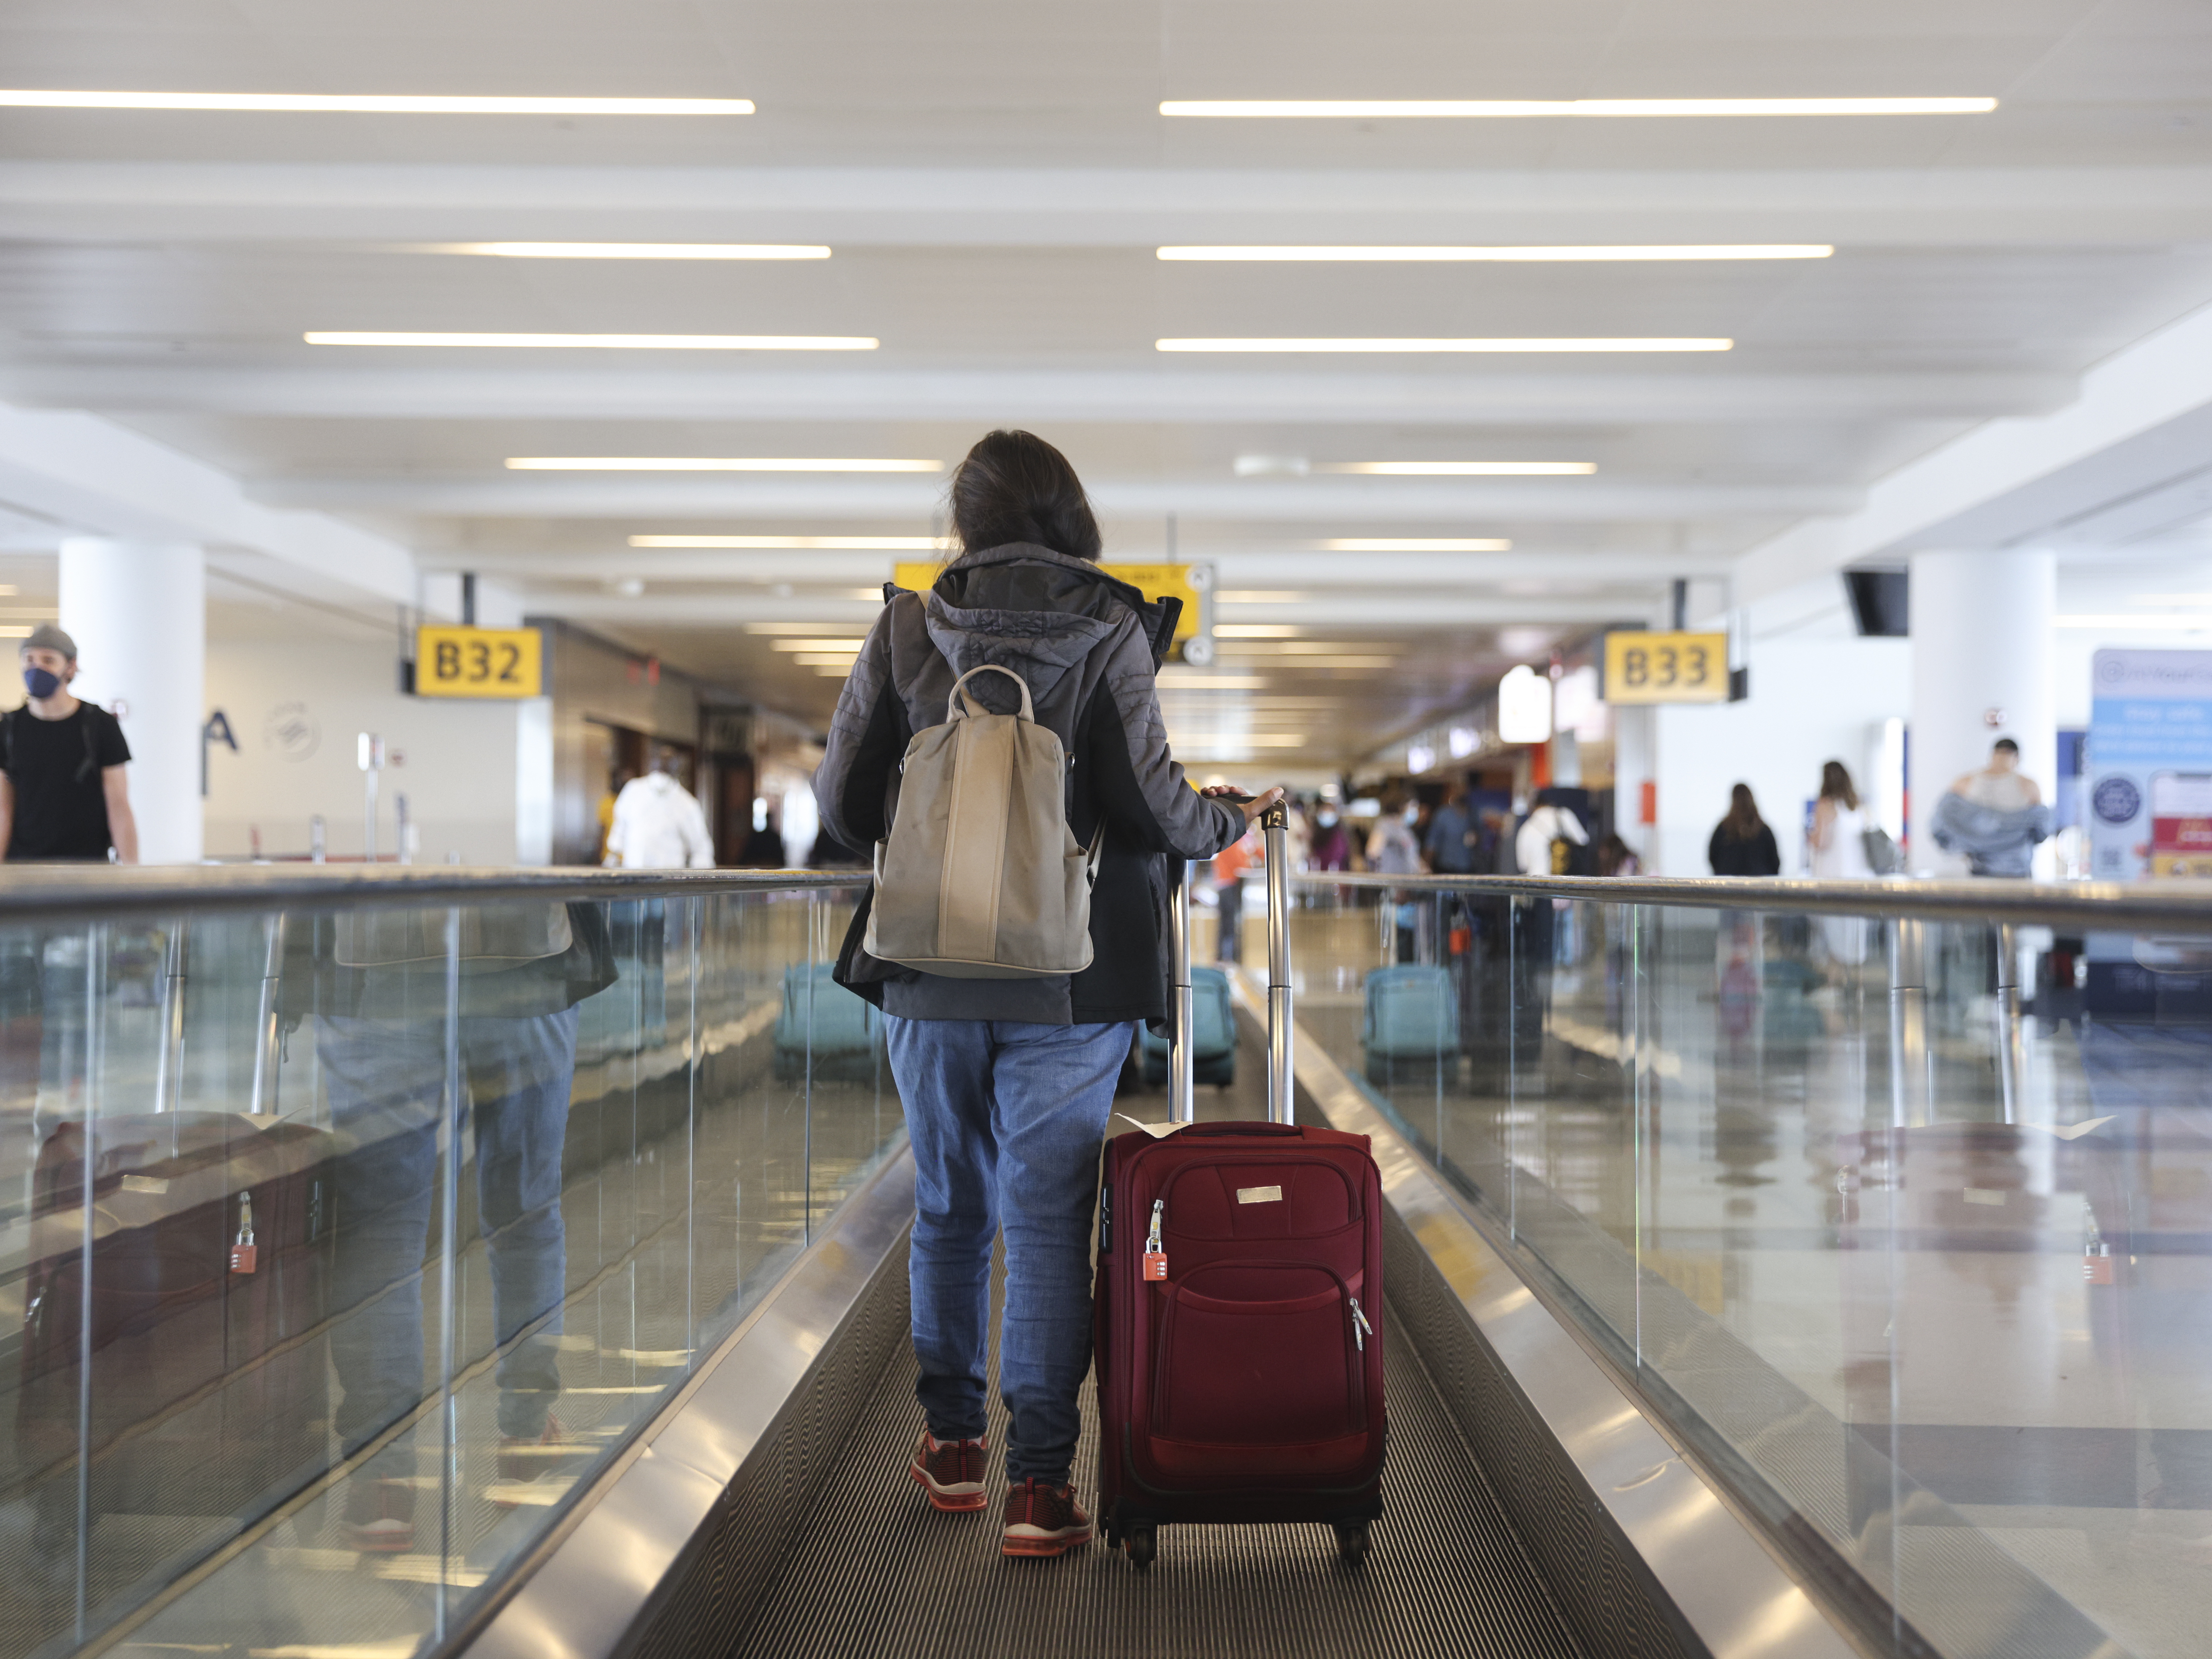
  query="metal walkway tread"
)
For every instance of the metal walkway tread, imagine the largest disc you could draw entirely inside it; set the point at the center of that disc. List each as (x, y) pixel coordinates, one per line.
(877, 1571)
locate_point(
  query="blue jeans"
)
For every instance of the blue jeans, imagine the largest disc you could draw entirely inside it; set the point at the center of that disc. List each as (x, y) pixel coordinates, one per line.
(387, 1087)
(1005, 1119)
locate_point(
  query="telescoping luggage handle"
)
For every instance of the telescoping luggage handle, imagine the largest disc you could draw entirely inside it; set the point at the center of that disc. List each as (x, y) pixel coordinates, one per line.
(1182, 1082)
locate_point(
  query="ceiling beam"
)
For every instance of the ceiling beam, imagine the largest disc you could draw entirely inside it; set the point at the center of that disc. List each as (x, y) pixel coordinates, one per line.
(81, 201)
(1299, 501)
(99, 479)
(1141, 392)
(2142, 428)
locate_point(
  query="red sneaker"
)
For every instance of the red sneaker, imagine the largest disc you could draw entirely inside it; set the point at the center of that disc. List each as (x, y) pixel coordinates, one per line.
(951, 1472)
(1043, 1520)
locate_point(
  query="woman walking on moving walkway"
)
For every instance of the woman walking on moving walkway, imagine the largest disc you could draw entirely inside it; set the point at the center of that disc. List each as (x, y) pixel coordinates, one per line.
(1008, 1083)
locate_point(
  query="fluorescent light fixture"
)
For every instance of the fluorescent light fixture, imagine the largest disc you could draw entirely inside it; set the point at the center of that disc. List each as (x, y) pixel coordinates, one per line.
(1417, 544)
(1457, 469)
(1524, 707)
(711, 464)
(15, 631)
(850, 646)
(1170, 681)
(1410, 345)
(1497, 255)
(633, 250)
(1240, 739)
(1374, 109)
(826, 659)
(801, 543)
(368, 103)
(857, 628)
(1257, 630)
(2168, 622)
(603, 342)
(1272, 466)
(1258, 596)
(1329, 662)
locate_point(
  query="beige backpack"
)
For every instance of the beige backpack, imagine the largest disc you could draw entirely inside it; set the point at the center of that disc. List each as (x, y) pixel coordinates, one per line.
(981, 877)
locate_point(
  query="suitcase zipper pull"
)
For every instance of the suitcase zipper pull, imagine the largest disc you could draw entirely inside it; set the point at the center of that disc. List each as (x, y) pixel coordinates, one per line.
(1156, 1260)
(244, 1253)
(1361, 1330)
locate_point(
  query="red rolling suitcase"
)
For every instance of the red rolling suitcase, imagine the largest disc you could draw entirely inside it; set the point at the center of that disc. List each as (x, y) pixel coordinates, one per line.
(1239, 1304)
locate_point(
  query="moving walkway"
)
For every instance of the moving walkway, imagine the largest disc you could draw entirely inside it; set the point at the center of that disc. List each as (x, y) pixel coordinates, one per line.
(1764, 1278)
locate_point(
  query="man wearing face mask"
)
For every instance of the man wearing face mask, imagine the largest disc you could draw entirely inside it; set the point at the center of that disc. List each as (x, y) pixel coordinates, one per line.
(65, 793)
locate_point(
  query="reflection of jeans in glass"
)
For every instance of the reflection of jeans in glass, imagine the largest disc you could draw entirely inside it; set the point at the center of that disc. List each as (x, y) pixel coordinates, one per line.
(1005, 1118)
(386, 1083)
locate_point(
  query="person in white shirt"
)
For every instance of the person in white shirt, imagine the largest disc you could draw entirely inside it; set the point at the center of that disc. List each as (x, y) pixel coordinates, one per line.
(658, 825)
(1550, 821)
(1838, 849)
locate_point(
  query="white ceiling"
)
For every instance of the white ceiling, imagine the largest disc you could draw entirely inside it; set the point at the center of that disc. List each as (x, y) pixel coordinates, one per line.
(993, 179)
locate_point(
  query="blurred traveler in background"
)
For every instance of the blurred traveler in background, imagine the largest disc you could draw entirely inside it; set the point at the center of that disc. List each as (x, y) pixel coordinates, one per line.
(1230, 864)
(1615, 857)
(1453, 837)
(658, 825)
(1838, 843)
(65, 787)
(1994, 817)
(1330, 848)
(764, 849)
(1743, 845)
(1544, 844)
(618, 781)
(1392, 849)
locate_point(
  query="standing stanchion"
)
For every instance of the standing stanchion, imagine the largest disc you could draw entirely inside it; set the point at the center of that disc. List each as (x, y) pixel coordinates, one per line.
(1274, 824)
(1182, 1080)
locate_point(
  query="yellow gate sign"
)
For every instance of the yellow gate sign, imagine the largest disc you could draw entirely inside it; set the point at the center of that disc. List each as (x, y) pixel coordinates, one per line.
(1154, 582)
(1665, 668)
(478, 662)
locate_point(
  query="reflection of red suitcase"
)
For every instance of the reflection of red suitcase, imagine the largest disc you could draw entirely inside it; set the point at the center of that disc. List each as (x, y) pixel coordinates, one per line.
(211, 1246)
(1241, 1377)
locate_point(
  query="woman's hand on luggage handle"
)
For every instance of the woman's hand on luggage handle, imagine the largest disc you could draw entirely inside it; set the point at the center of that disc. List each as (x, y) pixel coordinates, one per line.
(1250, 805)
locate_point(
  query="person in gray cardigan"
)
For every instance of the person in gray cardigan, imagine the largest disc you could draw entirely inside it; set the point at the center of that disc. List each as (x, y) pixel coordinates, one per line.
(1007, 1084)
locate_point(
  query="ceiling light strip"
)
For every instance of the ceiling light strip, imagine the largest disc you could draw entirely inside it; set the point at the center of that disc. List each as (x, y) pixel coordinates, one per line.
(632, 250)
(1494, 255)
(603, 342)
(1373, 109)
(713, 463)
(1457, 469)
(800, 544)
(367, 103)
(1412, 345)
(1416, 545)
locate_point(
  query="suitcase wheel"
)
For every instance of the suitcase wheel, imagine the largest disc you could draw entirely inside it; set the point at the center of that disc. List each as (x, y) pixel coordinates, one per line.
(1351, 1540)
(1142, 1539)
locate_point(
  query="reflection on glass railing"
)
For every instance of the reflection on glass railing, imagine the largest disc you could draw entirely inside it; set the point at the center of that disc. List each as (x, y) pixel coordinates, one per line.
(1905, 1228)
(339, 1248)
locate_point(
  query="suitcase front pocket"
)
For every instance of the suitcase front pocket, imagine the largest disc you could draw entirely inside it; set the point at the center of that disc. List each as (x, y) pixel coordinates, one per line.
(1280, 1369)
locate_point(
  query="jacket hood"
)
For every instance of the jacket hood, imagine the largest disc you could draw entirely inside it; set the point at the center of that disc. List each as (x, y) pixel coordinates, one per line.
(1027, 608)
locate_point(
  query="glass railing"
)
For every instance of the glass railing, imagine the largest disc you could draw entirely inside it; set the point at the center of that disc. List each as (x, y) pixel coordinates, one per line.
(348, 1226)
(1894, 1206)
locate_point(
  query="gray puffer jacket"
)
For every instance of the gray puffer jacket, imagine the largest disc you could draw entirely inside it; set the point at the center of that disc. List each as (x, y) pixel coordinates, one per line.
(1088, 646)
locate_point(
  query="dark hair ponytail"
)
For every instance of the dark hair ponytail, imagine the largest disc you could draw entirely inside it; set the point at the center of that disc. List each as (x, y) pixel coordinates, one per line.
(1015, 487)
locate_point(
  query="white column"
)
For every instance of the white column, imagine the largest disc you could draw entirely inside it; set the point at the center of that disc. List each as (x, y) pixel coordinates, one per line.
(1982, 666)
(138, 613)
